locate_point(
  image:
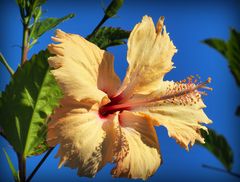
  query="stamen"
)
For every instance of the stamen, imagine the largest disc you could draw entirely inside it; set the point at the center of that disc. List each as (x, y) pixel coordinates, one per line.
(181, 93)
(184, 93)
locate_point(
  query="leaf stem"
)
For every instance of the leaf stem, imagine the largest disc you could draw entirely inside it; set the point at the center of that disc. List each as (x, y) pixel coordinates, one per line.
(39, 164)
(104, 19)
(4, 62)
(22, 167)
(221, 170)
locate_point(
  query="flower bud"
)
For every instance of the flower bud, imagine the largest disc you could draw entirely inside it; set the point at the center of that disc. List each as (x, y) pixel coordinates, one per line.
(113, 8)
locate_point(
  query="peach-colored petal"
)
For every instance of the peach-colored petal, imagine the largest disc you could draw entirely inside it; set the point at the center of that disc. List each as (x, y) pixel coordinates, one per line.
(181, 115)
(86, 141)
(108, 81)
(150, 53)
(80, 67)
(137, 153)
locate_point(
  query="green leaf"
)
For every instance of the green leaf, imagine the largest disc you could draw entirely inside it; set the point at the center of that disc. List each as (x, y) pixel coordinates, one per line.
(41, 148)
(109, 36)
(27, 102)
(230, 50)
(37, 3)
(37, 13)
(233, 54)
(217, 44)
(21, 3)
(11, 166)
(40, 27)
(219, 147)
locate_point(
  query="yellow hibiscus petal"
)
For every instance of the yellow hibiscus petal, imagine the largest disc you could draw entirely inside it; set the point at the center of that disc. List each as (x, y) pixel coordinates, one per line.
(150, 51)
(80, 68)
(181, 115)
(137, 153)
(86, 141)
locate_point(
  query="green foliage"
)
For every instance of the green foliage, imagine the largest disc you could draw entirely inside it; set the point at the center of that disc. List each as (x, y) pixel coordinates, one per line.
(113, 8)
(28, 8)
(230, 50)
(21, 3)
(36, 3)
(42, 147)
(11, 166)
(219, 147)
(27, 102)
(31, 13)
(40, 27)
(30, 5)
(109, 36)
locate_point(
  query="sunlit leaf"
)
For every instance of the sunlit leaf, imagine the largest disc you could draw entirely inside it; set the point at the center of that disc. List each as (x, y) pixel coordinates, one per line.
(109, 36)
(27, 102)
(11, 166)
(219, 147)
(45, 25)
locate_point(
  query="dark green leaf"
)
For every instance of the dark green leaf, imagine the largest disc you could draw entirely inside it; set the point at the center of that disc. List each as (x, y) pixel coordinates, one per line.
(219, 147)
(238, 111)
(233, 54)
(113, 8)
(109, 36)
(0, 99)
(27, 102)
(43, 26)
(217, 44)
(230, 50)
(11, 166)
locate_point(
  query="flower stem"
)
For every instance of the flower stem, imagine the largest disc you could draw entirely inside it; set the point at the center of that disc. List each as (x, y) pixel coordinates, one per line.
(221, 170)
(4, 62)
(22, 167)
(105, 18)
(39, 164)
(25, 44)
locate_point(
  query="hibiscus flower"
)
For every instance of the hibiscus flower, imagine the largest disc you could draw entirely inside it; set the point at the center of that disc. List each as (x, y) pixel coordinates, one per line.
(101, 120)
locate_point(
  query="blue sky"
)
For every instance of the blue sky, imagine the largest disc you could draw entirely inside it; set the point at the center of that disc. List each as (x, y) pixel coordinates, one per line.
(188, 22)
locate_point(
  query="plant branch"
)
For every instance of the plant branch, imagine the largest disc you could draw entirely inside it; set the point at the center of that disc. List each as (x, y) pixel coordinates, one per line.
(22, 167)
(221, 170)
(39, 164)
(4, 62)
(104, 19)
